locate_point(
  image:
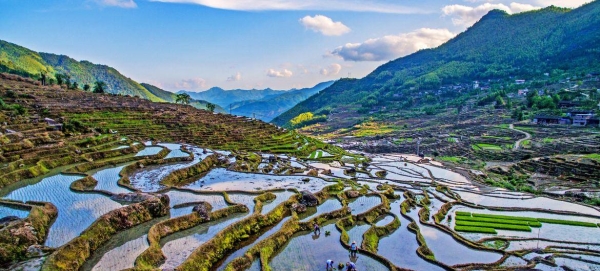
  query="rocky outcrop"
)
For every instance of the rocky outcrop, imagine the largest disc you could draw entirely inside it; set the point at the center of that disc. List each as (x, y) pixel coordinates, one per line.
(203, 209)
(313, 172)
(299, 208)
(309, 199)
(132, 197)
(352, 194)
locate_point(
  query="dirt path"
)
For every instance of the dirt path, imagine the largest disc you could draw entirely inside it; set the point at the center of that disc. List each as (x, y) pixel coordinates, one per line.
(518, 143)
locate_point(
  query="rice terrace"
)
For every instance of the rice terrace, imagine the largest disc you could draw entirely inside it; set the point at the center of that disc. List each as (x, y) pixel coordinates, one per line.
(470, 151)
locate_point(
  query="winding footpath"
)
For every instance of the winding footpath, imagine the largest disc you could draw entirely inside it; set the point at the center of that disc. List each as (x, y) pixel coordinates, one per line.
(518, 143)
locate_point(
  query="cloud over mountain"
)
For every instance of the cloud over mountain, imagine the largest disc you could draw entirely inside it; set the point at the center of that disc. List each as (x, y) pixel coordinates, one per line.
(392, 46)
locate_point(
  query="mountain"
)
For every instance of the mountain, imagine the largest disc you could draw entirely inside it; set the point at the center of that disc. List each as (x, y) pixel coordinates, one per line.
(269, 107)
(172, 97)
(499, 46)
(22, 61)
(224, 98)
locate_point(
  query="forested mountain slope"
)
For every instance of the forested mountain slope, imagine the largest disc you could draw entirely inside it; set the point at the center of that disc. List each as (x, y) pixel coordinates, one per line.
(22, 61)
(498, 46)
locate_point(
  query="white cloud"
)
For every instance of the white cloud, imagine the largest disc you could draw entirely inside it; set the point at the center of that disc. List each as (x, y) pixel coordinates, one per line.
(392, 46)
(325, 25)
(467, 16)
(282, 73)
(381, 6)
(118, 3)
(191, 84)
(332, 69)
(236, 77)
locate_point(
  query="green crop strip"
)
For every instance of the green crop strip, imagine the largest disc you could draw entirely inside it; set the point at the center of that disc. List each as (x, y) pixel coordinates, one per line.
(493, 225)
(499, 221)
(474, 229)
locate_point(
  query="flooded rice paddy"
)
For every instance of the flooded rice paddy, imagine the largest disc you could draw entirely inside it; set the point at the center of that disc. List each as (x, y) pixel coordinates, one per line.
(575, 247)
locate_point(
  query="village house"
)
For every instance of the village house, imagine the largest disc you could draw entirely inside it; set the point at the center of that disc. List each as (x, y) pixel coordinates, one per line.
(519, 81)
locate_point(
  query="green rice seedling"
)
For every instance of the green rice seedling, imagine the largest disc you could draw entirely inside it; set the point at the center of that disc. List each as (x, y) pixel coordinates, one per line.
(496, 226)
(474, 229)
(567, 222)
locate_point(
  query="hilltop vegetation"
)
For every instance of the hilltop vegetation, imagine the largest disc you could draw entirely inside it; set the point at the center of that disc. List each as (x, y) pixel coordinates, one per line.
(551, 41)
(19, 60)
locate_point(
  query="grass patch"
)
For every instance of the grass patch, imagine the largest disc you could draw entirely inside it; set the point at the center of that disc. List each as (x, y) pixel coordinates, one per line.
(593, 156)
(486, 147)
(475, 229)
(506, 217)
(453, 159)
(547, 140)
(461, 213)
(451, 139)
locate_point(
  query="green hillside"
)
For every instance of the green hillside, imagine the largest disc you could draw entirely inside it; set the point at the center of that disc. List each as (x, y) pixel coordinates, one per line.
(500, 46)
(172, 97)
(22, 61)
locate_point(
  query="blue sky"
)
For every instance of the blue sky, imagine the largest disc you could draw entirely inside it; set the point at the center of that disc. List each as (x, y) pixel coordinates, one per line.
(197, 44)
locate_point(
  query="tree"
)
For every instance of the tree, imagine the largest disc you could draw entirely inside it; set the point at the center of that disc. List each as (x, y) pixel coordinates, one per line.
(183, 98)
(210, 107)
(99, 87)
(74, 85)
(86, 87)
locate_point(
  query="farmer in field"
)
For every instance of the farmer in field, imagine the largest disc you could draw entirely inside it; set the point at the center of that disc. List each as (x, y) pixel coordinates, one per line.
(316, 228)
(353, 249)
(329, 265)
(350, 266)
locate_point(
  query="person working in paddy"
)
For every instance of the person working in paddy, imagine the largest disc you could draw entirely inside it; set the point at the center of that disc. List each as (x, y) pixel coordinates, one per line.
(350, 266)
(316, 228)
(329, 265)
(353, 249)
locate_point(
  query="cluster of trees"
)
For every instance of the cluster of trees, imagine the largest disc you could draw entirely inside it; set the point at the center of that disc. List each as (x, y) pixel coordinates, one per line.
(305, 119)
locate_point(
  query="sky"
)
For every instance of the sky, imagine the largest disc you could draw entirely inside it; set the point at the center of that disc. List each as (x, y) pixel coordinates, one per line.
(243, 44)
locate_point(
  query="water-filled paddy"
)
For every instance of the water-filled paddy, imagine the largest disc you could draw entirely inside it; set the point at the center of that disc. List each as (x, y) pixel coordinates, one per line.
(12, 211)
(363, 204)
(327, 206)
(149, 151)
(221, 179)
(306, 251)
(76, 211)
(107, 180)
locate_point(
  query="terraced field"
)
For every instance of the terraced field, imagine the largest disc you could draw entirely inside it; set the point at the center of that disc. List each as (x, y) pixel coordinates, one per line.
(128, 184)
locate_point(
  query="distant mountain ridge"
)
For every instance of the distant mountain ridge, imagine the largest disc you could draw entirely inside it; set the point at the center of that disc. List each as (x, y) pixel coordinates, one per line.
(500, 45)
(224, 98)
(270, 107)
(172, 97)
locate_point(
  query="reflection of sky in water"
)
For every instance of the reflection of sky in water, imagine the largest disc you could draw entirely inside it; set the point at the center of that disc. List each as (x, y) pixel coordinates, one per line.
(148, 179)
(281, 196)
(363, 204)
(9, 211)
(538, 202)
(149, 151)
(76, 211)
(221, 179)
(179, 249)
(108, 178)
(124, 256)
(356, 233)
(306, 251)
(446, 248)
(178, 197)
(243, 250)
(325, 207)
